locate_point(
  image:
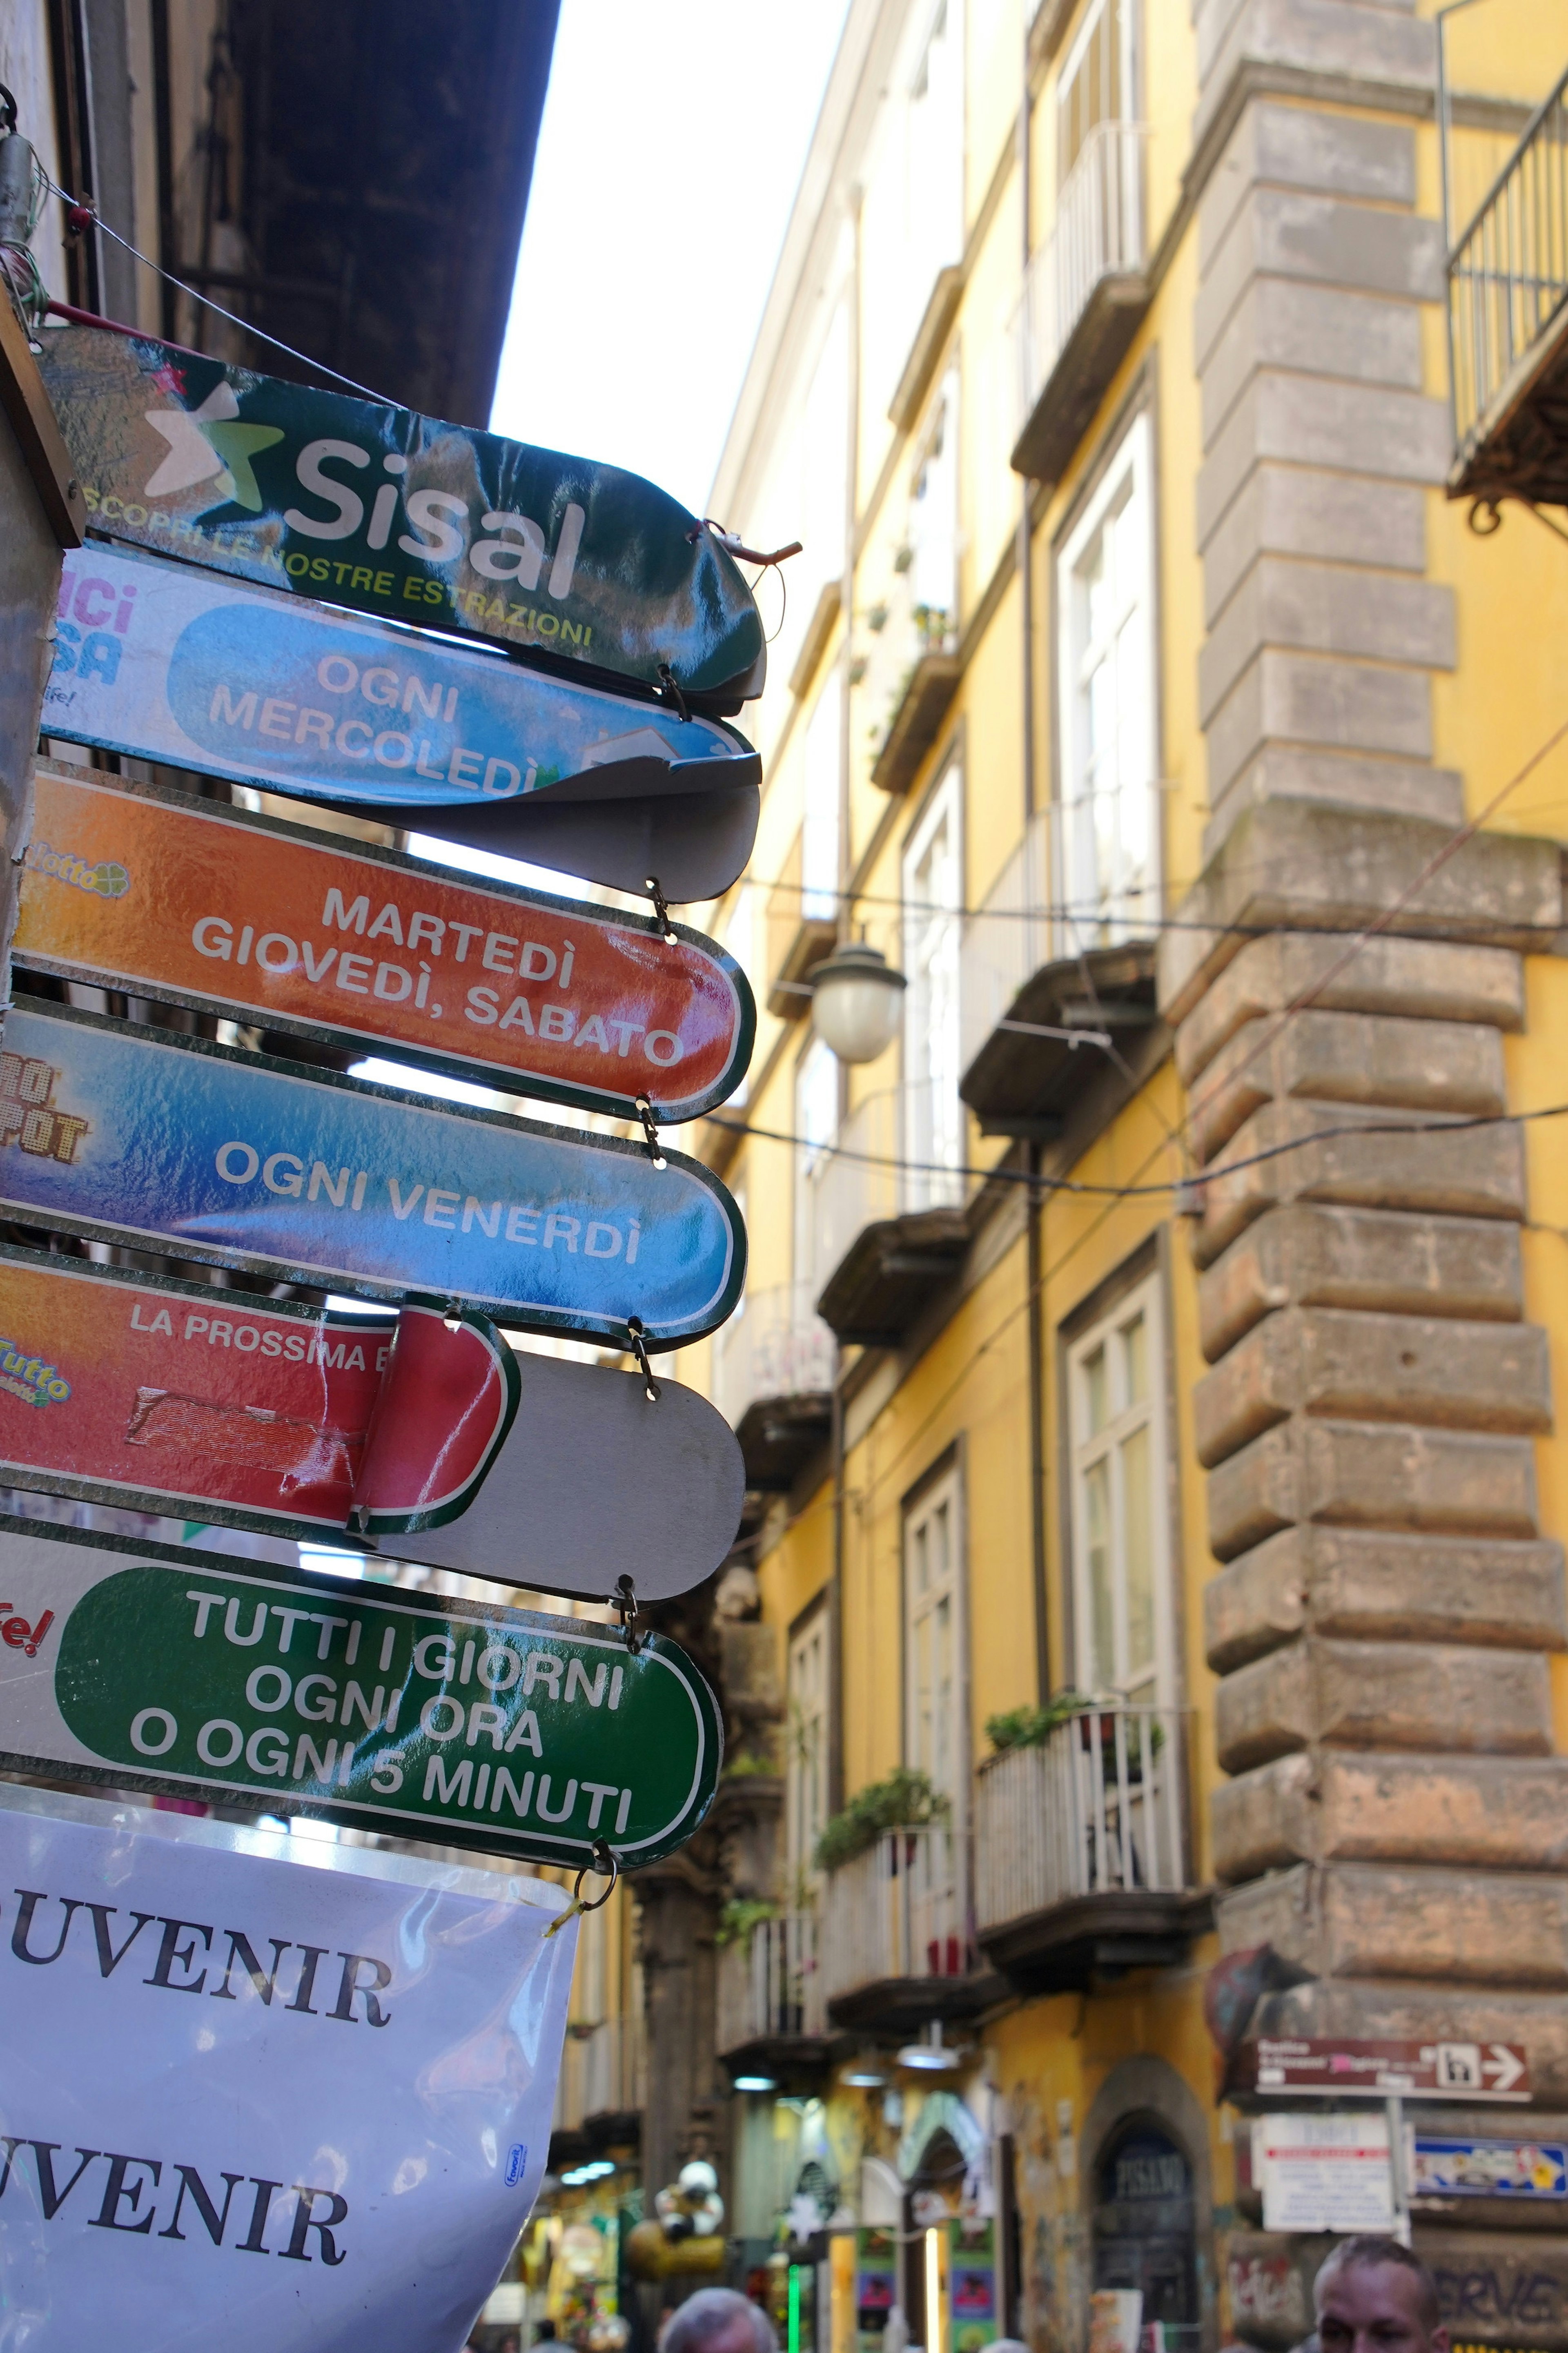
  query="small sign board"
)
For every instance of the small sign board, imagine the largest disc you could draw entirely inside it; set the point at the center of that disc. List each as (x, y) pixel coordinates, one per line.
(400, 515)
(1525, 2169)
(1351, 2069)
(189, 903)
(507, 1730)
(168, 663)
(1323, 2173)
(210, 1152)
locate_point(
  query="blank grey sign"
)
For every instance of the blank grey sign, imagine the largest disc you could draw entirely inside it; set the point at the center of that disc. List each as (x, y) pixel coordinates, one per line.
(595, 1484)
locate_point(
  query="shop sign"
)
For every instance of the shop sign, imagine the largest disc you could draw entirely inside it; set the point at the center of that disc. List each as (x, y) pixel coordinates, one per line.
(1345, 2068)
(138, 888)
(251, 2101)
(139, 1391)
(1324, 2173)
(501, 1729)
(403, 516)
(209, 1152)
(167, 663)
(1489, 2169)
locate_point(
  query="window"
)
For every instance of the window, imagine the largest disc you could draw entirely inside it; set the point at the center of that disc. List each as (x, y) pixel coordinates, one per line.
(934, 1130)
(816, 1126)
(933, 153)
(741, 939)
(934, 1740)
(825, 452)
(933, 526)
(820, 824)
(1096, 81)
(806, 1787)
(1120, 1535)
(1108, 851)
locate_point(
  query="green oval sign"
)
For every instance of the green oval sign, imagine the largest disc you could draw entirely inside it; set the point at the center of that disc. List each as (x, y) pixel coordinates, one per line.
(505, 1729)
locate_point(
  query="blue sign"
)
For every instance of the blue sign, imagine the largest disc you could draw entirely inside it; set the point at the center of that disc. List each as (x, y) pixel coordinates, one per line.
(216, 1153)
(1491, 2168)
(166, 662)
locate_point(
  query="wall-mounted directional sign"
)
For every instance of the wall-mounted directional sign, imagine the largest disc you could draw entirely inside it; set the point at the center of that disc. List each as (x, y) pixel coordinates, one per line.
(211, 1152)
(401, 515)
(168, 663)
(482, 1727)
(193, 904)
(1342, 2067)
(162, 1396)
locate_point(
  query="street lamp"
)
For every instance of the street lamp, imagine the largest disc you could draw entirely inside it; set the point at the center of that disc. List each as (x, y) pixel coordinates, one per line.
(856, 1000)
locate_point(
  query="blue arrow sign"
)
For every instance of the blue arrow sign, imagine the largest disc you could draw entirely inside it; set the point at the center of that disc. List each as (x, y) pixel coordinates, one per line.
(216, 1153)
(166, 662)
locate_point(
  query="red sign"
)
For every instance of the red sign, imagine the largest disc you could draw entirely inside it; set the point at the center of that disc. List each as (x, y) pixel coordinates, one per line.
(1347, 2069)
(186, 902)
(175, 1397)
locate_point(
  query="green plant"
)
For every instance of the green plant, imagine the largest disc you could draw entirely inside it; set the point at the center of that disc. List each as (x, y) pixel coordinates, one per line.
(1028, 1727)
(739, 1916)
(905, 1800)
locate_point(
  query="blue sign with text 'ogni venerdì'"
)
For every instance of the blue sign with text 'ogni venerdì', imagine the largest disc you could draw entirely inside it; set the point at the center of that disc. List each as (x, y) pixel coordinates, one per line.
(226, 1155)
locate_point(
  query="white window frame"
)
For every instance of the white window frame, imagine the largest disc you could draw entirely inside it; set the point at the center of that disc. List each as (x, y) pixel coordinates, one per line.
(945, 1493)
(808, 1698)
(1109, 857)
(816, 1068)
(1088, 33)
(933, 1127)
(1086, 1450)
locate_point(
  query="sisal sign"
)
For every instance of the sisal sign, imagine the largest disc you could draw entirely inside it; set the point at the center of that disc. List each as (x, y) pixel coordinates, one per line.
(168, 663)
(401, 515)
(165, 1396)
(255, 2102)
(524, 1735)
(135, 888)
(212, 1153)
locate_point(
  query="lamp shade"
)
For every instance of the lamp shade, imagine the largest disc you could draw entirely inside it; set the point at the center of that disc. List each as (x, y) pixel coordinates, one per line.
(857, 997)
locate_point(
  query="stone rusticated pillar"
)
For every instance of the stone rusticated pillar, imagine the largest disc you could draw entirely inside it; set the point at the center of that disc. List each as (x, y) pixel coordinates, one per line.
(1396, 1823)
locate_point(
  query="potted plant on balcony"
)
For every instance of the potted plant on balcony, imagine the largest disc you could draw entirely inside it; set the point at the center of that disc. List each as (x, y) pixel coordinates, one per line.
(1031, 1727)
(907, 1800)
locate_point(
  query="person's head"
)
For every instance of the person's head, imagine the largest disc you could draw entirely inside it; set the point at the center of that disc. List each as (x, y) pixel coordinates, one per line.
(546, 2333)
(1372, 2295)
(716, 2320)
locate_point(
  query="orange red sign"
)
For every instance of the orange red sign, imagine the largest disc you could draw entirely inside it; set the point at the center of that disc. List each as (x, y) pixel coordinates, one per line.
(135, 888)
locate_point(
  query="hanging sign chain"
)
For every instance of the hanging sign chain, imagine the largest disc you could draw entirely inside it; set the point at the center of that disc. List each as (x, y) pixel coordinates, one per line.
(604, 1862)
(637, 1329)
(650, 1132)
(624, 1600)
(660, 908)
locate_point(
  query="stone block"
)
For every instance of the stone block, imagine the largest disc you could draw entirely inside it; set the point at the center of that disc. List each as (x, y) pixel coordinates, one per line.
(1480, 1813)
(1335, 705)
(1366, 54)
(1309, 1254)
(1371, 1058)
(1350, 781)
(1369, 1585)
(1329, 1362)
(1298, 147)
(1383, 1695)
(1344, 1153)
(1371, 1475)
(1320, 330)
(1325, 608)
(1304, 511)
(1303, 865)
(1365, 1920)
(1349, 429)
(1288, 233)
(1420, 980)
(1415, 2013)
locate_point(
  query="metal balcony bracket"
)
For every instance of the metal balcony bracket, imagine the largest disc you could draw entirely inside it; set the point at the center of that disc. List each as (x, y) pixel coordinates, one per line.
(1034, 1065)
(888, 1273)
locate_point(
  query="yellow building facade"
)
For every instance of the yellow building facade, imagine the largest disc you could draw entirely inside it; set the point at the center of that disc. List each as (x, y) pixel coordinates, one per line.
(1144, 1372)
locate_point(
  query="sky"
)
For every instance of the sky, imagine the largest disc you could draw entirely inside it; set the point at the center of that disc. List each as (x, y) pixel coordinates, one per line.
(672, 143)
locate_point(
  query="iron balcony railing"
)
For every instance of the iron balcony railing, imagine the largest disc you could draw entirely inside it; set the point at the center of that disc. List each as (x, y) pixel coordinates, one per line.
(1508, 273)
(899, 1150)
(775, 1346)
(1097, 1808)
(1087, 874)
(1098, 234)
(602, 2073)
(900, 1910)
(771, 1983)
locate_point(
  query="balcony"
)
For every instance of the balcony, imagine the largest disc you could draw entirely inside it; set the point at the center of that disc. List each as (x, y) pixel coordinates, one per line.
(772, 1381)
(601, 2090)
(1039, 983)
(1082, 1858)
(1085, 294)
(897, 1947)
(1507, 324)
(773, 2009)
(801, 927)
(876, 1240)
